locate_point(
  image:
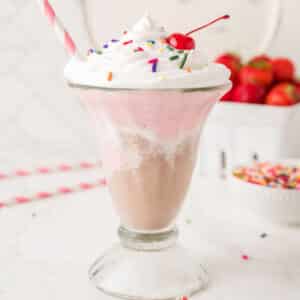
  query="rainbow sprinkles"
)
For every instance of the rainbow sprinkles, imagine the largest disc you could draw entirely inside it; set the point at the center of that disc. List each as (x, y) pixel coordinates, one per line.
(175, 55)
(154, 63)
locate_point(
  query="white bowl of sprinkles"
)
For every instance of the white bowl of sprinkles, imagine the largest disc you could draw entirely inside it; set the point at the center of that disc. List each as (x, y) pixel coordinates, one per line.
(269, 190)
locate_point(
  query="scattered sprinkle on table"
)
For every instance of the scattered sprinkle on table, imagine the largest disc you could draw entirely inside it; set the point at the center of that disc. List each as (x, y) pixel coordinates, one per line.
(245, 257)
(263, 235)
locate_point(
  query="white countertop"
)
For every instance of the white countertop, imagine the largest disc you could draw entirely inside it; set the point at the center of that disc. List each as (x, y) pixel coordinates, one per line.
(46, 248)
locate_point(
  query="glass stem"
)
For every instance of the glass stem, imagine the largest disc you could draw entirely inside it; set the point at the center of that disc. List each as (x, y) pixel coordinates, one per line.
(148, 241)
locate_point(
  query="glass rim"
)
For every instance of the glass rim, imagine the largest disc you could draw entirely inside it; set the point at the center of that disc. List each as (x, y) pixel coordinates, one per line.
(182, 90)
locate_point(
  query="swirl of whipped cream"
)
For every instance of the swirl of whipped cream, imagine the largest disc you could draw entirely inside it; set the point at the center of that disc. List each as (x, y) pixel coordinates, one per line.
(141, 59)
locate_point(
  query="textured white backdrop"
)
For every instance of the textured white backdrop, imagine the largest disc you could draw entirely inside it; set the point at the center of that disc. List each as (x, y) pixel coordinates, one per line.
(40, 120)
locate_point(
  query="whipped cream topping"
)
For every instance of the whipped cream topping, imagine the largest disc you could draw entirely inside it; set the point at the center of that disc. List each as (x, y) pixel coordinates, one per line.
(141, 59)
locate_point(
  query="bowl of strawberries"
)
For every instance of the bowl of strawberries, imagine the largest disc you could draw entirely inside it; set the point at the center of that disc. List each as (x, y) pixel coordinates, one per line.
(262, 80)
(258, 119)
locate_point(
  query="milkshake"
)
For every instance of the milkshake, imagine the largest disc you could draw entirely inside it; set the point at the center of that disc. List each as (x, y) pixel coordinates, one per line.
(148, 101)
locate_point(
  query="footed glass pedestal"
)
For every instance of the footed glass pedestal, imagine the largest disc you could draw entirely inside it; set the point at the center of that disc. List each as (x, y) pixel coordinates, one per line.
(151, 264)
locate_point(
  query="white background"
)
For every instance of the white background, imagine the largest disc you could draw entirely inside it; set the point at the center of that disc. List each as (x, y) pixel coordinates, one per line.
(40, 120)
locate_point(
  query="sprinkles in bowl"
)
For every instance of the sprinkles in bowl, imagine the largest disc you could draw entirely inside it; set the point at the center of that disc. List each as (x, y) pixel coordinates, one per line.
(271, 175)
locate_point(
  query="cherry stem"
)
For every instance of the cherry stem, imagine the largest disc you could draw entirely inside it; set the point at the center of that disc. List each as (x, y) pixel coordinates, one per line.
(209, 24)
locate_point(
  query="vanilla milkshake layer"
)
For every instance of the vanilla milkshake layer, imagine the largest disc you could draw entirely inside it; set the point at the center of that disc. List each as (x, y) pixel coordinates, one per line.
(149, 197)
(142, 59)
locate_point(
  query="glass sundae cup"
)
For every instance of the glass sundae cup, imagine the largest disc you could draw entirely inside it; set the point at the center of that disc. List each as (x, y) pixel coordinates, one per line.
(149, 144)
(148, 101)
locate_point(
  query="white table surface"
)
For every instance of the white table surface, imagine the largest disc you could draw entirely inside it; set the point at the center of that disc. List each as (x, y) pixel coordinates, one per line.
(46, 248)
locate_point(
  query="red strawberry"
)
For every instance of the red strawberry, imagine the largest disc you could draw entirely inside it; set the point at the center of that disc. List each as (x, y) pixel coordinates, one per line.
(297, 86)
(232, 62)
(228, 96)
(260, 59)
(256, 76)
(258, 71)
(283, 94)
(283, 68)
(248, 93)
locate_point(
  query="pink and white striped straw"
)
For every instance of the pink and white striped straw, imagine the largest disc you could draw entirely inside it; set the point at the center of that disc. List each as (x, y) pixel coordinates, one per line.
(45, 195)
(61, 32)
(46, 170)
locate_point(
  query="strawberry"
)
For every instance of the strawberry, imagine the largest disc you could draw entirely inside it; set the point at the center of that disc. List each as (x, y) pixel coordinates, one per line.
(258, 71)
(248, 93)
(283, 68)
(283, 94)
(228, 96)
(232, 62)
(297, 86)
(260, 59)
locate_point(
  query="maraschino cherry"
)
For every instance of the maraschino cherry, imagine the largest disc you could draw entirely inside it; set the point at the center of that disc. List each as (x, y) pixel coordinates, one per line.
(182, 41)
